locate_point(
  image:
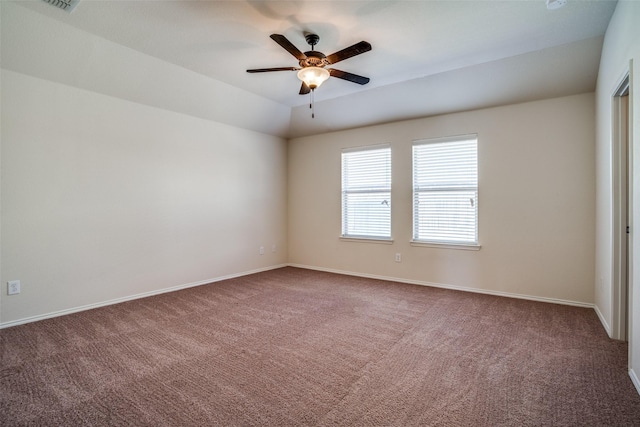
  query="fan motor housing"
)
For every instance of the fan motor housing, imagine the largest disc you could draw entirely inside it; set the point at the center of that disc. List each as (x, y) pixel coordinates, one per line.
(314, 59)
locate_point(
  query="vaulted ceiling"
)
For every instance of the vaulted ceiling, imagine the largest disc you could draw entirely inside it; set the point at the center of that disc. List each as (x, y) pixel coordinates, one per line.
(428, 57)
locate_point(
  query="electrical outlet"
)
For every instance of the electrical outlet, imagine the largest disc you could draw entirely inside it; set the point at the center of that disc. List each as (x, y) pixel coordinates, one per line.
(13, 287)
(261, 250)
(273, 248)
(398, 257)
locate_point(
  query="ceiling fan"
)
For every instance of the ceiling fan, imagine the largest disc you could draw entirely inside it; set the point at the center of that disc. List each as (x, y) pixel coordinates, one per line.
(312, 69)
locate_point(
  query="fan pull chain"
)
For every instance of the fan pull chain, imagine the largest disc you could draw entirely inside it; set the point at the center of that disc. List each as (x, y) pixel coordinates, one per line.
(311, 106)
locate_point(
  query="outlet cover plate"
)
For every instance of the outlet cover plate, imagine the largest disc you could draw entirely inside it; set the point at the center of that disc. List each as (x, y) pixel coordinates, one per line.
(13, 287)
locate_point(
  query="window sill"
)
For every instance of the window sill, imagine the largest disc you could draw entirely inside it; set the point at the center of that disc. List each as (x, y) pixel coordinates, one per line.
(366, 240)
(459, 246)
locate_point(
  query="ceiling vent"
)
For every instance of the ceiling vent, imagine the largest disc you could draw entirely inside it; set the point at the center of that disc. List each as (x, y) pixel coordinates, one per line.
(66, 5)
(555, 4)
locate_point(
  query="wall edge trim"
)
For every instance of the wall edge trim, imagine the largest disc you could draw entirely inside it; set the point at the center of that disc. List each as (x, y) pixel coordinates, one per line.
(86, 307)
(605, 325)
(634, 380)
(450, 287)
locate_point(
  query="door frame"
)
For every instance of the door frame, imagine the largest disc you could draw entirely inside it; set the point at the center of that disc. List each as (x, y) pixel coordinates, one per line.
(622, 213)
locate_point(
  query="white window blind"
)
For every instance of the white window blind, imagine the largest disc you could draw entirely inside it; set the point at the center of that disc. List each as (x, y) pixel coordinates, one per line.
(366, 192)
(445, 190)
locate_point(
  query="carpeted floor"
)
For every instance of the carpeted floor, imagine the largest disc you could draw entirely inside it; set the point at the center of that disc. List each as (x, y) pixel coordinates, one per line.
(294, 347)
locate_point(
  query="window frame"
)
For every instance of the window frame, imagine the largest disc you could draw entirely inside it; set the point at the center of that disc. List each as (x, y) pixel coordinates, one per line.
(368, 238)
(435, 243)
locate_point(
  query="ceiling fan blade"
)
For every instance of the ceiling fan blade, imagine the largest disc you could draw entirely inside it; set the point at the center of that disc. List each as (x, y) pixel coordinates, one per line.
(288, 46)
(348, 76)
(348, 52)
(266, 70)
(304, 89)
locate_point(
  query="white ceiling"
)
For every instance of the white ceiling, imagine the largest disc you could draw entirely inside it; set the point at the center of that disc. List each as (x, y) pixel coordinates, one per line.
(518, 49)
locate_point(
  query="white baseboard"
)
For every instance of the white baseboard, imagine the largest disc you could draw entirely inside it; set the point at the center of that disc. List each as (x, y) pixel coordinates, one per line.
(452, 287)
(605, 325)
(132, 297)
(308, 267)
(635, 380)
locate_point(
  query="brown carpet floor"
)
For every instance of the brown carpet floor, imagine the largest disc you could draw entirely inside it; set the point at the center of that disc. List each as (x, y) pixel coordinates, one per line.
(294, 347)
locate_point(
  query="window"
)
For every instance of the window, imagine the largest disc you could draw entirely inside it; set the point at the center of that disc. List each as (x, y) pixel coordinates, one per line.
(366, 192)
(445, 190)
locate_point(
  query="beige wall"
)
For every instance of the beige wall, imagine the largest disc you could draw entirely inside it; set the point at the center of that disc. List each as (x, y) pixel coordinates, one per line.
(118, 178)
(621, 46)
(104, 198)
(536, 202)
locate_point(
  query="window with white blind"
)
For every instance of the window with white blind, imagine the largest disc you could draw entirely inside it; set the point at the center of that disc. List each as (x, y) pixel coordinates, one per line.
(445, 190)
(366, 192)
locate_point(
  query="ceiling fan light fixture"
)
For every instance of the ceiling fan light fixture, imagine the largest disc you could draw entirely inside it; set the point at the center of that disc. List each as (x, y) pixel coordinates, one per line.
(313, 76)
